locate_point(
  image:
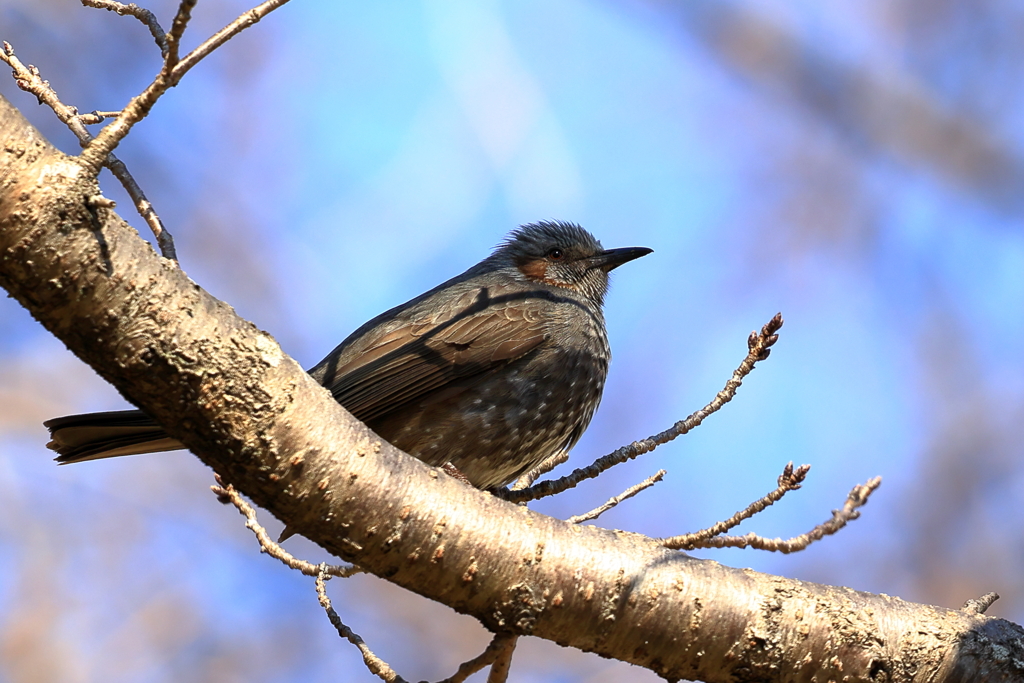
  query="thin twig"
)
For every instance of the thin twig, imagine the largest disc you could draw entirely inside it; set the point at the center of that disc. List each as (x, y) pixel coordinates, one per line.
(759, 346)
(181, 19)
(980, 605)
(29, 80)
(228, 494)
(377, 666)
(612, 502)
(143, 15)
(502, 662)
(789, 480)
(243, 22)
(100, 202)
(858, 497)
(94, 117)
(526, 480)
(96, 152)
(144, 208)
(498, 644)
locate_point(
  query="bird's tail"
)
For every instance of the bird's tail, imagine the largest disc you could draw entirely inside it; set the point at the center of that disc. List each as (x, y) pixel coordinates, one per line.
(105, 435)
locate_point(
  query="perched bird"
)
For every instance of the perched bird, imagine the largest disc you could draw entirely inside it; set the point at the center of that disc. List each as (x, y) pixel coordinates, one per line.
(491, 372)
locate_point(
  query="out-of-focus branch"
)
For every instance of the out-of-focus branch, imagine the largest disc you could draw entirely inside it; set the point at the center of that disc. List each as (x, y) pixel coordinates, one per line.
(759, 347)
(891, 113)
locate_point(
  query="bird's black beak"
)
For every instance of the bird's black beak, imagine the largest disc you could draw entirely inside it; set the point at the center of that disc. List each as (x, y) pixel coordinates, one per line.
(613, 258)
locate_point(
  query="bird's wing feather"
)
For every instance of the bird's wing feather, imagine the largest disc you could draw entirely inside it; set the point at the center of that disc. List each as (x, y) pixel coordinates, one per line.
(417, 361)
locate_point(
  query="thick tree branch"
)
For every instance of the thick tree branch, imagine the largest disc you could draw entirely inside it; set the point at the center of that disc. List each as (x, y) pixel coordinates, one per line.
(226, 389)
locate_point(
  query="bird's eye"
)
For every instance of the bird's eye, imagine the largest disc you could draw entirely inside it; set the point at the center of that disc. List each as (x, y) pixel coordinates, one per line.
(555, 254)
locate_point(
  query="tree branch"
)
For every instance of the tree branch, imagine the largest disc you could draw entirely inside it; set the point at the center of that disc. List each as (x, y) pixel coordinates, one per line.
(377, 666)
(244, 21)
(789, 480)
(615, 500)
(502, 661)
(228, 494)
(29, 80)
(144, 15)
(758, 349)
(526, 480)
(980, 605)
(96, 151)
(252, 414)
(857, 498)
(498, 645)
(181, 19)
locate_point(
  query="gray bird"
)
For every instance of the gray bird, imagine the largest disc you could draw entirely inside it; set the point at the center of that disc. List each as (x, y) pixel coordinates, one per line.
(491, 372)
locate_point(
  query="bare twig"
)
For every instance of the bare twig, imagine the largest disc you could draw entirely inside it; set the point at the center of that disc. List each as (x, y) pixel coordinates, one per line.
(526, 480)
(178, 26)
(29, 80)
(759, 346)
(377, 666)
(164, 240)
(789, 480)
(980, 605)
(143, 15)
(612, 502)
(100, 202)
(227, 494)
(498, 653)
(97, 150)
(502, 662)
(95, 117)
(857, 498)
(243, 22)
(498, 644)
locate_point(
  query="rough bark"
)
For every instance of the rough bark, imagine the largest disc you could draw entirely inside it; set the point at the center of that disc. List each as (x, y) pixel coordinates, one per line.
(227, 390)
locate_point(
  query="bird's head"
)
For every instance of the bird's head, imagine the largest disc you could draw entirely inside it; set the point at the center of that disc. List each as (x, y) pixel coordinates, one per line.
(565, 255)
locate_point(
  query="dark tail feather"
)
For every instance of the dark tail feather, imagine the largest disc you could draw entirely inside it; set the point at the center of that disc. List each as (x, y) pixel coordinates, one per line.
(105, 435)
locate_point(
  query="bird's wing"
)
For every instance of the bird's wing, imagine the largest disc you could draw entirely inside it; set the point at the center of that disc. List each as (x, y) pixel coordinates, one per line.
(419, 361)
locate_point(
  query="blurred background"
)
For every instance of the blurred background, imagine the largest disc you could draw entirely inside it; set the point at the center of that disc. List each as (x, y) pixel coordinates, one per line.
(857, 166)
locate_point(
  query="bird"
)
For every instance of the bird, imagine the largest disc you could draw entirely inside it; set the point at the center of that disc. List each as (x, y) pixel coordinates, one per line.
(490, 373)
